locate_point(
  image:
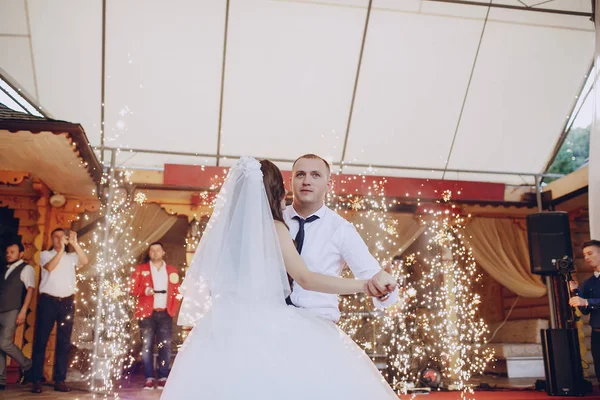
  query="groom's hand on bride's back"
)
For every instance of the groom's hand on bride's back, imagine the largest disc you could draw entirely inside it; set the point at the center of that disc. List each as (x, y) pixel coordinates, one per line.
(381, 284)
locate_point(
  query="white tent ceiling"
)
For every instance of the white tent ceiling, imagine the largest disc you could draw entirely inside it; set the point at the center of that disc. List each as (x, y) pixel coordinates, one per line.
(289, 76)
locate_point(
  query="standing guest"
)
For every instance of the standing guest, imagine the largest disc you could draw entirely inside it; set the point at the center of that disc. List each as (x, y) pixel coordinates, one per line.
(156, 285)
(587, 298)
(16, 291)
(56, 305)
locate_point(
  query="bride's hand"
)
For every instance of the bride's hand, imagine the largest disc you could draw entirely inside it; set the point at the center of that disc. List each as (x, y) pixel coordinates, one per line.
(381, 284)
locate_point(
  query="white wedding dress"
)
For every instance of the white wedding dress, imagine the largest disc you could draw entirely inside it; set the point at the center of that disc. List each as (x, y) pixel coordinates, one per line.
(246, 342)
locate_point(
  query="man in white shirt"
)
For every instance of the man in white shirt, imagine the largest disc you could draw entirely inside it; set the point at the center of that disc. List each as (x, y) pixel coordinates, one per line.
(56, 305)
(326, 241)
(16, 291)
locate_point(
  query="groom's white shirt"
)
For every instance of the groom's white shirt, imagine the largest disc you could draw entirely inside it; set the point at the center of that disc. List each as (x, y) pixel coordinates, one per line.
(330, 242)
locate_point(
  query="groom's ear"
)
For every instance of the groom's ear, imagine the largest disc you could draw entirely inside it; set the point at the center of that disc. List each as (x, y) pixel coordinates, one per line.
(330, 184)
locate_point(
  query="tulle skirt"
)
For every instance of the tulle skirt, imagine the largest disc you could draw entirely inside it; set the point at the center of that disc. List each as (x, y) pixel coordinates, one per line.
(271, 352)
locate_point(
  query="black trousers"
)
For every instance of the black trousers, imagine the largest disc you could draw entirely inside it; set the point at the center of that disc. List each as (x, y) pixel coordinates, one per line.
(53, 310)
(596, 352)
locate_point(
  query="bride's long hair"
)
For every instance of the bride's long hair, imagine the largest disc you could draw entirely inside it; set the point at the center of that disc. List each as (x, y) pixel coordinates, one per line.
(273, 180)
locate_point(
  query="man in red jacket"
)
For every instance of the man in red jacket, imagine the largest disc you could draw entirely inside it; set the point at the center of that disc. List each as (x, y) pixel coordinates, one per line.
(156, 285)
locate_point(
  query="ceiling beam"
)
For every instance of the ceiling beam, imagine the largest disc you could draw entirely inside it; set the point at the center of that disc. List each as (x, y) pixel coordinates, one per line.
(102, 80)
(466, 95)
(356, 78)
(345, 164)
(221, 96)
(519, 8)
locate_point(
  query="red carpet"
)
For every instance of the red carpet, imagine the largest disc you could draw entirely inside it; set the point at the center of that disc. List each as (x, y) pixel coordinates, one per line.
(498, 395)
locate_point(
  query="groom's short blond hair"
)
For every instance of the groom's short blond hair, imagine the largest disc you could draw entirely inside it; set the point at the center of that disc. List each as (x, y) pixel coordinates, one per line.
(314, 157)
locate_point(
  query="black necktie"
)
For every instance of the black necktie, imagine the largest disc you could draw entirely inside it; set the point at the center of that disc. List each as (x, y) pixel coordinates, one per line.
(300, 235)
(299, 241)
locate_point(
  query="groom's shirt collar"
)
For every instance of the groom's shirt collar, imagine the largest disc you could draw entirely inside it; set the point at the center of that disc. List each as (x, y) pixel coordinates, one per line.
(291, 212)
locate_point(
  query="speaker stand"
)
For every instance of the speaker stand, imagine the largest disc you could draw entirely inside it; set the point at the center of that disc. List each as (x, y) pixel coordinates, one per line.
(551, 301)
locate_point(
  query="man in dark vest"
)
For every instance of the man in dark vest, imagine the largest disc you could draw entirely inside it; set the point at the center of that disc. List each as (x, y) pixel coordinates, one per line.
(17, 284)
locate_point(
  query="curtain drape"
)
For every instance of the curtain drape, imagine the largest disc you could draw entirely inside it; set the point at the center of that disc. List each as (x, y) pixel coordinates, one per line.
(500, 247)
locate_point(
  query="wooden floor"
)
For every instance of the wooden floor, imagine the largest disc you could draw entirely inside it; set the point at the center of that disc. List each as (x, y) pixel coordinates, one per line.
(129, 391)
(513, 389)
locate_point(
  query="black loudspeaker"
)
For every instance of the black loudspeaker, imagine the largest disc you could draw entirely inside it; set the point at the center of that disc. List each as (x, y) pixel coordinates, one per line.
(549, 241)
(562, 363)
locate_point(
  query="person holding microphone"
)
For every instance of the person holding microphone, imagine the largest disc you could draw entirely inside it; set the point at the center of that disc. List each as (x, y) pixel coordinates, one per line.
(156, 285)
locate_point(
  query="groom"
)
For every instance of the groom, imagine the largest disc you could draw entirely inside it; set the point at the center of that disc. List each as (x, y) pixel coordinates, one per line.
(327, 242)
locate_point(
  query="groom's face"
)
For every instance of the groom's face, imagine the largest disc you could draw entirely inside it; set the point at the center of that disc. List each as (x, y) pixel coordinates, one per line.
(310, 181)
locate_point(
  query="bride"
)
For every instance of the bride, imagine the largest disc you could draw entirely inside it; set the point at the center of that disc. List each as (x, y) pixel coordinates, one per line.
(246, 342)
